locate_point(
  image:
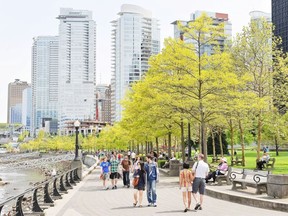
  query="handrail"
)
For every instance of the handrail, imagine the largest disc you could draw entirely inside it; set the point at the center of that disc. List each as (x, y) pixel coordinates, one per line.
(69, 177)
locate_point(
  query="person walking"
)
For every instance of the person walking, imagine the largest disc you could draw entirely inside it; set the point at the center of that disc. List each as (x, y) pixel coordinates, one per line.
(126, 166)
(140, 187)
(105, 169)
(133, 157)
(201, 170)
(136, 166)
(114, 172)
(151, 170)
(185, 184)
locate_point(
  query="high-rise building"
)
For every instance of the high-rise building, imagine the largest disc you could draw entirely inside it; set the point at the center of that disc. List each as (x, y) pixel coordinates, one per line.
(280, 21)
(135, 37)
(77, 67)
(217, 19)
(27, 108)
(15, 90)
(44, 80)
(103, 103)
(257, 15)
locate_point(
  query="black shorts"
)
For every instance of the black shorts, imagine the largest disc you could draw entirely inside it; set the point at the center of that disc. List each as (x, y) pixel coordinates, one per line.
(114, 175)
(198, 184)
(142, 188)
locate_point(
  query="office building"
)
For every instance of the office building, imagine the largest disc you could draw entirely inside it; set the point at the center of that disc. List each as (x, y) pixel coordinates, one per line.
(27, 108)
(257, 15)
(217, 19)
(280, 21)
(15, 90)
(77, 67)
(135, 37)
(103, 103)
(44, 80)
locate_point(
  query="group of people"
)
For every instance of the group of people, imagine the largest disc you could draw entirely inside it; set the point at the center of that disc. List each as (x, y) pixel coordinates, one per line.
(144, 174)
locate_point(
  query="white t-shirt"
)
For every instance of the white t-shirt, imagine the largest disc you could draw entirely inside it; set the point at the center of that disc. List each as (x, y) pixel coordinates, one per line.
(202, 169)
(133, 155)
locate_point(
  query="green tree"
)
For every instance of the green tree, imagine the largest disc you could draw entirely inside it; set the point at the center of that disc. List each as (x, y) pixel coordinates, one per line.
(253, 50)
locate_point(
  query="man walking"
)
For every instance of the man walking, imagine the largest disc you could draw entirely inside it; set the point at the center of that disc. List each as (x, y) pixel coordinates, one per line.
(114, 172)
(151, 172)
(201, 170)
(126, 164)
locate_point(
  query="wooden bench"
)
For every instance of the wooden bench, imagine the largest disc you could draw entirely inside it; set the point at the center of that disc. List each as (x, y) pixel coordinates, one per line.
(252, 178)
(236, 161)
(269, 165)
(224, 178)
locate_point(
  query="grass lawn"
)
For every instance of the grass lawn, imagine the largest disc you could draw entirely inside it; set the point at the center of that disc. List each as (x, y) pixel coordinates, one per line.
(280, 166)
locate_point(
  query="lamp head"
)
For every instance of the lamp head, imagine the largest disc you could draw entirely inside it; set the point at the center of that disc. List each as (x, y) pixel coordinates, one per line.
(77, 123)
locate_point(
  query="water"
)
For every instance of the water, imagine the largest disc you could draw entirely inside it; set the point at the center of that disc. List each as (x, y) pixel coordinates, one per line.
(19, 181)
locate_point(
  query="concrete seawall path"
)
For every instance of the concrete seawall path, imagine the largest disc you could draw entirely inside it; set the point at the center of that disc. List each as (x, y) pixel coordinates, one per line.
(88, 199)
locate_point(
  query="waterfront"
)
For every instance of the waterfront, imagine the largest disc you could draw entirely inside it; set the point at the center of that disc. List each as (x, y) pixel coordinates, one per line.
(18, 181)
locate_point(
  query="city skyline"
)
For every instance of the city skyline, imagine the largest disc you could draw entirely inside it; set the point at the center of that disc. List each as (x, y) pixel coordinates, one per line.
(15, 43)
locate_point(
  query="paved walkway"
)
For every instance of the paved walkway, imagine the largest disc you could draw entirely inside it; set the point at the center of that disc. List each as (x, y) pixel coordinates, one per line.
(88, 199)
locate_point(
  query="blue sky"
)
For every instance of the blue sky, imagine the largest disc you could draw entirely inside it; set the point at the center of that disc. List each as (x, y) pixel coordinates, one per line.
(20, 21)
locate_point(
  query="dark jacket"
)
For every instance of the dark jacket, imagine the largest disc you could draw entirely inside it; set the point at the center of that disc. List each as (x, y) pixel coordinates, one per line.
(142, 178)
(151, 170)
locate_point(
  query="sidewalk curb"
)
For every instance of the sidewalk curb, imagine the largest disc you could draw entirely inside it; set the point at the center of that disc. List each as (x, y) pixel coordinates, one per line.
(249, 201)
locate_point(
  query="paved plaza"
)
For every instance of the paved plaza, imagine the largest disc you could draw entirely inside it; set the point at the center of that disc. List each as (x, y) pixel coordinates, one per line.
(88, 199)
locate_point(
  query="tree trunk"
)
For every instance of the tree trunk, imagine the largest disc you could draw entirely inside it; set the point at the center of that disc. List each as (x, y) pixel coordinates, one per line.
(213, 143)
(242, 142)
(138, 149)
(182, 141)
(220, 142)
(232, 138)
(189, 141)
(259, 135)
(157, 146)
(133, 145)
(204, 143)
(169, 144)
(277, 146)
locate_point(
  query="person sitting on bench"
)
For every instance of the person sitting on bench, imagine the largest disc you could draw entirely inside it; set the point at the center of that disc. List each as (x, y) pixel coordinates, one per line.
(221, 170)
(265, 158)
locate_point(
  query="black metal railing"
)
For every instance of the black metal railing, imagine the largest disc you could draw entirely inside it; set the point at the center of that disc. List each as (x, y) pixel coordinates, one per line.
(43, 195)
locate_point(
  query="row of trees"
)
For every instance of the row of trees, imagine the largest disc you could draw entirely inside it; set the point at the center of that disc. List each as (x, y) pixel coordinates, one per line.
(240, 89)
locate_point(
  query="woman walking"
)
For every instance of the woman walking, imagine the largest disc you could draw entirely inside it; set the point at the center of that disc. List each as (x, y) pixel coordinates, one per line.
(185, 179)
(105, 169)
(140, 187)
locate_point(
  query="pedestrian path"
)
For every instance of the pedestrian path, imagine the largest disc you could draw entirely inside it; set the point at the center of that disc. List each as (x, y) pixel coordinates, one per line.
(88, 199)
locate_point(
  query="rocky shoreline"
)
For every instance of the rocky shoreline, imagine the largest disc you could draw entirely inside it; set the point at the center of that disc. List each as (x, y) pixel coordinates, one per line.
(2, 182)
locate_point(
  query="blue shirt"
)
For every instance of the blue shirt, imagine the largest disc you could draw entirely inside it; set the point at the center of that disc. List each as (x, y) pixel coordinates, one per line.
(151, 171)
(105, 167)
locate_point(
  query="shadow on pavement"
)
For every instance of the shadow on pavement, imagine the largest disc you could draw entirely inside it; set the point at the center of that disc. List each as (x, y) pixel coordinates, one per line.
(174, 211)
(124, 207)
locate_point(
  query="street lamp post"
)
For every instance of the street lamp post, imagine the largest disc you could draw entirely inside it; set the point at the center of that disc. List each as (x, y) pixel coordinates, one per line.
(77, 125)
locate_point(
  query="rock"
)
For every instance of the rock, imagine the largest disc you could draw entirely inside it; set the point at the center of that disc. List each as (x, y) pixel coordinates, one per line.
(1, 179)
(3, 183)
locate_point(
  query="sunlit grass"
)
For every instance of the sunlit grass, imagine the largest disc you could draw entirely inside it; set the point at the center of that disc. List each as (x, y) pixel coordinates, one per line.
(280, 166)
